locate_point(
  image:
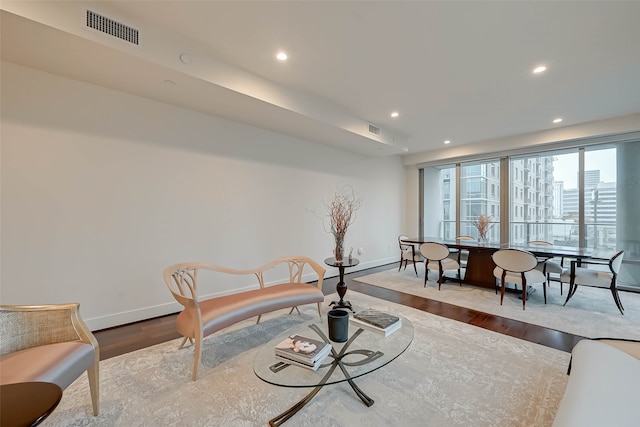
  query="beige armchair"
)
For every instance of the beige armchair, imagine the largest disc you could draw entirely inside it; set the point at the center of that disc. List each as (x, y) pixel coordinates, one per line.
(48, 343)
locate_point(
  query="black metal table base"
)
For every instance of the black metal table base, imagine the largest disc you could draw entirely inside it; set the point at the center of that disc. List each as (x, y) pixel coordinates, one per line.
(337, 362)
(341, 287)
(342, 304)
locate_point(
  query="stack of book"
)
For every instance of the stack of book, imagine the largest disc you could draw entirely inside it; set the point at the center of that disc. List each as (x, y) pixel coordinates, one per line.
(376, 321)
(302, 351)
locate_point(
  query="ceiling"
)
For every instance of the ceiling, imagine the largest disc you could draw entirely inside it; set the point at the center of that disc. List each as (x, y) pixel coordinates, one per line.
(458, 71)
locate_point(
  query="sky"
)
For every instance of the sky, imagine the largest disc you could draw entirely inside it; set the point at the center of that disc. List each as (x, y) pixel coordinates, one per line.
(565, 167)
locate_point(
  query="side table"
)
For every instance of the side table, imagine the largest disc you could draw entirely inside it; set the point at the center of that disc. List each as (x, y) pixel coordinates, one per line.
(27, 404)
(341, 288)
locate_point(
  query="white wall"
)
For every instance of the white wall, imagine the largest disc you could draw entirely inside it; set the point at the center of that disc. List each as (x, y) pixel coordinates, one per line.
(102, 190)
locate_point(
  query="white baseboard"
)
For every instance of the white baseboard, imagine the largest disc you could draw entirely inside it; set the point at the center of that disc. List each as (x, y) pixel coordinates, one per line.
(122, 318)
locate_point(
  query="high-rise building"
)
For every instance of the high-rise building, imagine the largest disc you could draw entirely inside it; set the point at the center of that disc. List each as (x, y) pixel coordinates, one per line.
(600, 209)
(558, 199)
(591, 179)
(532, 198)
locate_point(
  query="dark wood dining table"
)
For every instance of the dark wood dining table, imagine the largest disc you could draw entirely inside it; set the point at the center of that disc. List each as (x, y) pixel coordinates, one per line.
(480, 265)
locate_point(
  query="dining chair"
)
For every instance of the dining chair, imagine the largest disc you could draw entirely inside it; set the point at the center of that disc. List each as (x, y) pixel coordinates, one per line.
(462, 254)
(550, 267)
(595, 278)
(518, 267)
(436, 256)
(408, 253)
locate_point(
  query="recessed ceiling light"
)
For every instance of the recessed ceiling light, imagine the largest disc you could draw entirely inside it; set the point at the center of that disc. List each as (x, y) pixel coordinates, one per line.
(447, 142)
(539, 69)
(394, 114)
(282, 56)
(558, 120)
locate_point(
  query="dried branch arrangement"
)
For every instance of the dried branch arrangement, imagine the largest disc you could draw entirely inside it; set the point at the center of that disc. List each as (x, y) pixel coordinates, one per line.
(342, 210)
(483, 224)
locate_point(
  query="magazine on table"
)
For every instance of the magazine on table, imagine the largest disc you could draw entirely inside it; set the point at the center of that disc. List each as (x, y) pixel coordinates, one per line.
(377, 321)
(303, 349)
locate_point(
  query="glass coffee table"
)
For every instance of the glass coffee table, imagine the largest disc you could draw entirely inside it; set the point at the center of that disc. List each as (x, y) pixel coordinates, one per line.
(361, 354)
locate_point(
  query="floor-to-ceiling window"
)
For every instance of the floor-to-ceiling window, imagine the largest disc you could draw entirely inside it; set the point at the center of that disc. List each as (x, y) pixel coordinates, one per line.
(480, 195)
(600, 195)
(545, 204)
(544, 198)
(584, 197)
(440, 202)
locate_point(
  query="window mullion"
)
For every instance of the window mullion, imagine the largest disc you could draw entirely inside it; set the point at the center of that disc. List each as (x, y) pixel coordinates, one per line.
(582, 229)
(505, 206)
(458, 198)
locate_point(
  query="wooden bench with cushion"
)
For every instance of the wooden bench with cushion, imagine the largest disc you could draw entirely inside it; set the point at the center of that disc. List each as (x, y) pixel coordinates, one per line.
(201, 318)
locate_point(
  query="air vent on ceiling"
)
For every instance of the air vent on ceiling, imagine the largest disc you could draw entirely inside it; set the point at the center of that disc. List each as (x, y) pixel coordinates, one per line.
(374, 129)
(111, 27)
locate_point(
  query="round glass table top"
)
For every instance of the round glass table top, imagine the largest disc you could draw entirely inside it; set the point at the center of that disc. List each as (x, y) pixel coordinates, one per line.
(364, 352)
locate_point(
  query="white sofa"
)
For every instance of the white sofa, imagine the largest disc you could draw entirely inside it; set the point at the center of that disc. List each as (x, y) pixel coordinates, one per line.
(604, 385)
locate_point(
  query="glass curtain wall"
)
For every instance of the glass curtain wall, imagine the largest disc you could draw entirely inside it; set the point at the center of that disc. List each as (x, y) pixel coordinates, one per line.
(600, 198)
(544, 198)
(480, 195)
(440, 205)
(551, 198)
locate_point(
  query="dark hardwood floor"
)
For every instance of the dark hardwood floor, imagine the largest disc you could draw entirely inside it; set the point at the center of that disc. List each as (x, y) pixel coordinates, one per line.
(134, 336)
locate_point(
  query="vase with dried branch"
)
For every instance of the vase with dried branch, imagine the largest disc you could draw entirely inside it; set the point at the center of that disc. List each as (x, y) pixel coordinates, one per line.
(341, 210)
(483, 224)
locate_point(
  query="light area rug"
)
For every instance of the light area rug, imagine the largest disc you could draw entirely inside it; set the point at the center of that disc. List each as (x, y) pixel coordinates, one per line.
(452, 374)
(591, 312)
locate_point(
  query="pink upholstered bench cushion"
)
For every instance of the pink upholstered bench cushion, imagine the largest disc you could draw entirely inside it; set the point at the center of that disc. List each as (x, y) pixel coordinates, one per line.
(220, 312)
(59, 363)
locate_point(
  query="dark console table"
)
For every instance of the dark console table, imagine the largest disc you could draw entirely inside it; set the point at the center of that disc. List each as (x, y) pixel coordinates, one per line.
(341, 288)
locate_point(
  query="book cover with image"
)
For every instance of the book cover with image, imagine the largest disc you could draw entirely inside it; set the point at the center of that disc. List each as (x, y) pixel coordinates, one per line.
(304, 349)
(376, 318)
